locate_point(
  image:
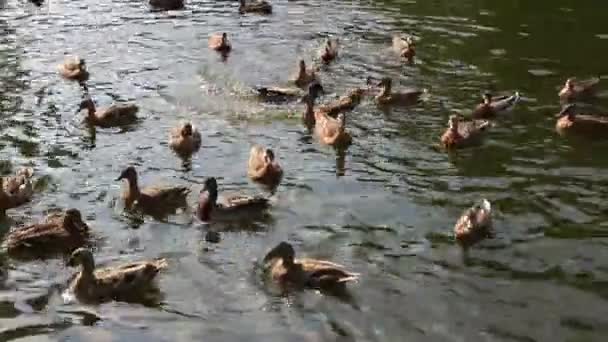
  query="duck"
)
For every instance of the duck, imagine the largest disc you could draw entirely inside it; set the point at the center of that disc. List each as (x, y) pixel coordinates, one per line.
(474, 225)
(387, 97)
(167, 5)
(124, 282)
(490, 106)
(582, 124)
(153, 200)
(283, 268)
(332, 131)
(113, 116)
(220, 43)
(308, 118)
(74, 68)
(210, 208)
(329, 51)
(344, 104)
(58, 232)
(406, 48)
(463, 133)
(259, 6)
(574, 90)
(284, 94)
(263, 167)
(304, 76)
(16, 190)
(185, 139)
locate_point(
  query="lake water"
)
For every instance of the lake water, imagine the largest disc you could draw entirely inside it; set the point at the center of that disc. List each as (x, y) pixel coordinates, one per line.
(385, 208)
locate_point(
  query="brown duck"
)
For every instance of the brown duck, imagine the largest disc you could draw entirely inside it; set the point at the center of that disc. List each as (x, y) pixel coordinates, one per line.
(59, 233)
(234, 207)
(308, 118)
(490, 106)
(405, 48)
(167, 5)
(463, 133)
(581, 124)
(474, 225)
(387, 97)
(74, 68)
(574, 90)
(185, 139)
(329, 51)
(220, 43)
(126, 282)
(304, 77)
(258, 6)
(344, 104)
(263, 167)
(16, 190)
(153, 200)
(284, 269)
(115, 115)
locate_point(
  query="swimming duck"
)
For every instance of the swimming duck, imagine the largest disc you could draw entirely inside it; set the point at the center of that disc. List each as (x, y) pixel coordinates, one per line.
(406, 48)
(115, 115)
(154, 200)
(582, 124)
(220, 43)
(263, 167)
(259, 6)
(388, 97)
(284, 94)
(122, 282)
(309, 100)
(57, 233)
(329, 51)
(16, 190)
(332, 131)
(74, 68)
(463, 133)
(284, 269)
(185, 139)
(345, 103)
(167, 5)
(575, 90)
(228, 208)
(490, 106)
(304, 76)
(474, 225)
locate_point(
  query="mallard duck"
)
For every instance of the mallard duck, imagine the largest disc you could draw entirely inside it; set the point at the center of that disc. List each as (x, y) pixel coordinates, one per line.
(406, 48)
(74, 68)
(388, 97)
(185, 139)
(124, 282)
(308, 118)
(474, 225)
(57, 233)
(575, 90)
(16, 190)
(228, 208)
(284, 269)
(220, 43)
(463, 133)
(115, 115)
(284, 94)
(258, 6)
(263, 167)
(152, 199)
(167, 4)
(332, 131)
(329, 51)
(490, 107)
(304, 76)
(345, 103)
(582, 124)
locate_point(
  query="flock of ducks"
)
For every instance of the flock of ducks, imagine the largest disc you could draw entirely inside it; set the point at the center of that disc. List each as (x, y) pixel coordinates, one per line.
(67, 233)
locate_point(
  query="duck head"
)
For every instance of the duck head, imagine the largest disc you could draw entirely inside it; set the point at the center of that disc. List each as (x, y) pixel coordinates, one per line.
(187, 129)
(88, 104)
(83, 257)
(72, 220)
(302, 66)
(129, 174)
(486, 98)
(269, 156)
(82, 64)
(570, 83)
(453, 122)
(283, 251)
(207, 199)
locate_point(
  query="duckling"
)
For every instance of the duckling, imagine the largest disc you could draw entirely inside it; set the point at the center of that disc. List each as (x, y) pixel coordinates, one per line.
(115, 115)
(153, 200)
(490, 107)
(329, 51)
(345, 103)
(185, 139)
(578, 90)
(74, 68)
(263, 167)
(406, 48)
(581, 124)
(332, 131)
(283, 268)
(220, 43)
(259, 6)
(229, 208)
(388, 97)
(463, 134)
(57, 233)
(304, 76)
(122, 282)
(474, 225)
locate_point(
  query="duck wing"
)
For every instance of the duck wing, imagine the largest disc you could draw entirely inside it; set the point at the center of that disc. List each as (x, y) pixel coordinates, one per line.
(505, 103)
